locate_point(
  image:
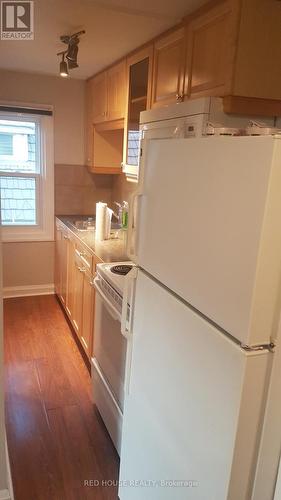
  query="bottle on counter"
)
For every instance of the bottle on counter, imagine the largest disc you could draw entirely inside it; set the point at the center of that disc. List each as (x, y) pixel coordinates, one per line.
(125, 212)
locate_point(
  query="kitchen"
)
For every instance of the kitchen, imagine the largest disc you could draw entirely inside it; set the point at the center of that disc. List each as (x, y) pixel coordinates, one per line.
(127, 241)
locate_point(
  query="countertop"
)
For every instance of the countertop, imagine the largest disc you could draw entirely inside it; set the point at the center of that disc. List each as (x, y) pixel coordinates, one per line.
(112, 250)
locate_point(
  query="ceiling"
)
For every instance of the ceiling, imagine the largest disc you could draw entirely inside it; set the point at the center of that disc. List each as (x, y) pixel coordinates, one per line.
(113, 28)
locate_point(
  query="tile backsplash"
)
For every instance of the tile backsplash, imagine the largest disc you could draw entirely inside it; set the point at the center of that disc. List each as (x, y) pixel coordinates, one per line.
(77, 190)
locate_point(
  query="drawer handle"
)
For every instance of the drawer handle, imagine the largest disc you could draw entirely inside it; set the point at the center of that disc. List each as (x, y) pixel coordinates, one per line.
(81, 269)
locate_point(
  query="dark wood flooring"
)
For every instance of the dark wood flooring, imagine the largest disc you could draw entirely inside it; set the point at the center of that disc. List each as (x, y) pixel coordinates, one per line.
(56, 438)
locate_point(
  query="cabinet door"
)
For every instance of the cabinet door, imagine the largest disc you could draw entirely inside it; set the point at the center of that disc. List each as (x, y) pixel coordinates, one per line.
(116, 91)
(88, 314)
(168, 68)
(58, 261)
(78, 281)
(139, 78)
(99, 87)
(63, 264)
(211, 41)
(70, 277)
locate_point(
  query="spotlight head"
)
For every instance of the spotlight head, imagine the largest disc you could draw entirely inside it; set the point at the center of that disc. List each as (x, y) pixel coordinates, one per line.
(63, 68)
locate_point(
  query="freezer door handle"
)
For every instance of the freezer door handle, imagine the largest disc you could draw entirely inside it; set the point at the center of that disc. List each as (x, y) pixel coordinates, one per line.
(126, 322)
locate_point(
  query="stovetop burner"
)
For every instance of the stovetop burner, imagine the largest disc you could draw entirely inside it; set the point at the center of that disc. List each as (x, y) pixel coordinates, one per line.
(121, 269)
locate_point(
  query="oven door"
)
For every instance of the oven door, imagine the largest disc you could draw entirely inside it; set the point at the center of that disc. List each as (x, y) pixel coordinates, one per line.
(110, 346)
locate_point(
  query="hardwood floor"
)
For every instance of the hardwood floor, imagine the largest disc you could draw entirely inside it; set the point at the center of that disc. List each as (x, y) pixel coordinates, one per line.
(56, 438)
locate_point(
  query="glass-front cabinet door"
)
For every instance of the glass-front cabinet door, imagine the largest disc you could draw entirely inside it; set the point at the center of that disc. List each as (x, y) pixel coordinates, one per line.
(139, 68)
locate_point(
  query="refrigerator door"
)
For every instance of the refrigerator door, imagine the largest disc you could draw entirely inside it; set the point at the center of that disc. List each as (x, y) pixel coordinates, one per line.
(209, 227)
(193, 408)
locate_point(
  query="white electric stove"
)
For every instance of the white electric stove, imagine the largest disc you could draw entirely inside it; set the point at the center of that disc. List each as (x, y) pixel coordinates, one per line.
(110, 346)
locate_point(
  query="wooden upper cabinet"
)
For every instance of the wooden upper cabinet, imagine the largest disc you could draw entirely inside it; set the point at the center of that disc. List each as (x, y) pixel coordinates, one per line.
(99, 90)
(109, 94)
(211, 40)
(168, 68)
(257, 64)
(116, 91)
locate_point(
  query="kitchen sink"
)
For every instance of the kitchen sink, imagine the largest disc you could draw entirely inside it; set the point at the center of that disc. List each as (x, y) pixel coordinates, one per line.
(90, 225)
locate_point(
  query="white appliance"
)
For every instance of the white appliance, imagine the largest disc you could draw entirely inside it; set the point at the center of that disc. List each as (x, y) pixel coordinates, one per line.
(193, 118)
(110, 347)
(201, 418)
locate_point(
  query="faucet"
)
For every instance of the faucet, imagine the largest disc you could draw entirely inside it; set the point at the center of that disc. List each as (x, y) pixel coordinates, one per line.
(118, 214)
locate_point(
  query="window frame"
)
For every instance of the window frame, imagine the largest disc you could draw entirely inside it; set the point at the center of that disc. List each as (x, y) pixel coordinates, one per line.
(44, 180)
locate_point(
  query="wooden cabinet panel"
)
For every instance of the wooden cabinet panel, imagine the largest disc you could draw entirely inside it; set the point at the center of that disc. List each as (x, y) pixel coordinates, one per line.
(116, 91)
(61, 264)
(168, 68)
(58, 261)
(70, 277)
(99, 92)
(211, 43)
(258, 68)
(88, 313)
(78, 280)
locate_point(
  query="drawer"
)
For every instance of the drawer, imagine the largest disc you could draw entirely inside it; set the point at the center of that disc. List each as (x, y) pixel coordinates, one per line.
(84, 255)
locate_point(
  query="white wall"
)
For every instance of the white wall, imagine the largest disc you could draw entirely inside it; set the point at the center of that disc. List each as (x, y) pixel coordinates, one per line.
(66, 95)
(68, 98)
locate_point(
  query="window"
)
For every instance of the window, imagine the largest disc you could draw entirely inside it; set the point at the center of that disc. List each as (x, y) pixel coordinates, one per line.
(133, 147)
(26, 177)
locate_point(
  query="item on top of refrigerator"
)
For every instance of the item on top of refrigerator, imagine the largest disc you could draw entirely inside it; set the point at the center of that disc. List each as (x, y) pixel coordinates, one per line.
(261, 128)
(103, 221)
(125, 211)
(219, 129)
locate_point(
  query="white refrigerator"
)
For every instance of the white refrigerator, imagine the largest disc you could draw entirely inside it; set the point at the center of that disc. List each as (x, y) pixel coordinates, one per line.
(202, 416)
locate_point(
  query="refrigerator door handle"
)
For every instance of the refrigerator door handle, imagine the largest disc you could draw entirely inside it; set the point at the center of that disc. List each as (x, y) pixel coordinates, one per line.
(133, 218)
(126, 322)
(132, 245)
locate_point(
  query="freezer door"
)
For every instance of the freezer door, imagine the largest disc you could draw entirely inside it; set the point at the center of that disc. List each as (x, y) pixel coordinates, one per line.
(193, 408)
(209, 227)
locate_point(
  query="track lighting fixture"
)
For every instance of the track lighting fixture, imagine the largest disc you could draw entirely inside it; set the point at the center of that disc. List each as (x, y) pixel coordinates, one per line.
(71, 53)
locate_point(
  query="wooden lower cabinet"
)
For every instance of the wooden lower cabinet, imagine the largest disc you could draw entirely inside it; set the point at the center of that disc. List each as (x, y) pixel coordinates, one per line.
(78, 281)
(88, 311)
(61, 263)
(74, 285)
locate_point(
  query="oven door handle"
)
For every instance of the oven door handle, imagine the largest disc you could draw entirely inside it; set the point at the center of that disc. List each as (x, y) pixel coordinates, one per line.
(110, 308)
(126, 322)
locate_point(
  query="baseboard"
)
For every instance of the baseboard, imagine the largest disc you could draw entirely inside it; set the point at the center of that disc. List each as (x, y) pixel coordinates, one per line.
(9, 476)
(27, 291)
(5, 495)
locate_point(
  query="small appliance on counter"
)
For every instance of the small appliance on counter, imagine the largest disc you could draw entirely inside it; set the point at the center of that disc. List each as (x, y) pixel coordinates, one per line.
(103, 221)
(110, 345)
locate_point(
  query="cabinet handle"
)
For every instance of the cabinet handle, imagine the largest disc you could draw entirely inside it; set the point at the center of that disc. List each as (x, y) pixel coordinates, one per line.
(92, 282)
(179, 97)
(82, 254)
(66, 237)
(81, 269)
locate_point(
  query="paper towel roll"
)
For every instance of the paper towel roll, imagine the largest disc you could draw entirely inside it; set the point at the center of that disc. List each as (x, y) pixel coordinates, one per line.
(108, 216)
(101, 220)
